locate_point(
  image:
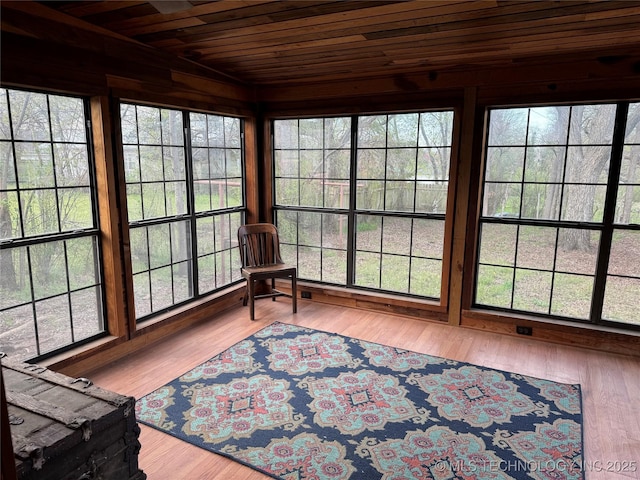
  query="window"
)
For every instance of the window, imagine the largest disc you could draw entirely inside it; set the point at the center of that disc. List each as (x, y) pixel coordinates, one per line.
(50, 264)
(369, 213)
(184, 204)
(546, 229)
(312, 176)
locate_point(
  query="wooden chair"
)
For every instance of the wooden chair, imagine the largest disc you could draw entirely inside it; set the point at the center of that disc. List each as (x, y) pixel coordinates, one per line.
(260, 254)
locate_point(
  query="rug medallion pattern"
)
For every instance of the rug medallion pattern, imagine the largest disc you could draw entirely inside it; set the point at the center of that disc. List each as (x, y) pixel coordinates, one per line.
(297, 403)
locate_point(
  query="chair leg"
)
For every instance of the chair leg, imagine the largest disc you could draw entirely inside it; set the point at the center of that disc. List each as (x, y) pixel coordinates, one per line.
(273, 287)
(251, 287)
(246, 295)
(294, 293)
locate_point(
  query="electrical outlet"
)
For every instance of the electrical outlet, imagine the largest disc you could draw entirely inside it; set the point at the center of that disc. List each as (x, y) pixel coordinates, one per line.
(520, 330)
(305, 294)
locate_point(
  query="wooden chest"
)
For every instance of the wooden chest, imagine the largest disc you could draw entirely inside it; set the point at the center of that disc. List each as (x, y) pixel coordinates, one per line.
(67, 429)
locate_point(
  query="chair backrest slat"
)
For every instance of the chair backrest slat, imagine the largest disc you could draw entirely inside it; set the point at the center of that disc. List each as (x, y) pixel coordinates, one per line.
(259, 245)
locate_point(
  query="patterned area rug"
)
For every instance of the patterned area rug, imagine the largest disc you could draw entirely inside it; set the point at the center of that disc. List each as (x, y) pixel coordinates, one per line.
(297, 403)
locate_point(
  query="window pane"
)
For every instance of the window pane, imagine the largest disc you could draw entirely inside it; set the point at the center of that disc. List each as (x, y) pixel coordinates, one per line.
(501, 200)
(508, 127)
(591, 124)
(370, 195)
(541, 201)
(625, 253)
(403, 130)
(623, 279)
(148, 125)
(394, 273)
(498, 244)
(545, 164)
(30, 115)
(372, 131)
(628, 203)
(436, 129)
(72, 165)
(82, 259)
(426, 277)
(396, 237)
(286, 134)
(368, 269)
(54, 324)
(15, 289)
(504, 164)
(9, 210)
(536, 247)
(494, 286)
(572, 296)
(371, 163)
(134, 202)
(172, 127)
(159, 246)
(139, 249)
(86, 307)
(577, 251)
(309, 263)
(67, 119)
(19, 333)
(142, 294)
(48, 269)
(427, 238)
(369, 231)
(532, 291)
(161, 288)
(151, 164)
(76, 209)
(334, 266)
(206, 273)
(621, 300)
(35, 165)
(5, 126)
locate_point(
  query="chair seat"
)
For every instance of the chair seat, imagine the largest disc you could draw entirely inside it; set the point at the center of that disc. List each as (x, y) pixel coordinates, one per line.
(266, 271)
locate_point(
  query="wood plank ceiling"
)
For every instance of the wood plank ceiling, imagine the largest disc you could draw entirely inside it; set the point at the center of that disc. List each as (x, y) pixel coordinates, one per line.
(269, 42)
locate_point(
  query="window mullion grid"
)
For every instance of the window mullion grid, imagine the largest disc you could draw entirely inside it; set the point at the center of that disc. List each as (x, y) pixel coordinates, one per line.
(299, 162)
(384, 197)
(53, 164)
(15, 166)
(324, 174)
(224, 156)
(560, 203)
(353, 192)
(564, 167)
(415, 203)
(138, 145)
(92, 167)
(164, 173)
(97, 264)
(68, 293)
(192, 266)
(515, 264)
(608, 217)
(524, 167)
(33, 301)
(553, 268)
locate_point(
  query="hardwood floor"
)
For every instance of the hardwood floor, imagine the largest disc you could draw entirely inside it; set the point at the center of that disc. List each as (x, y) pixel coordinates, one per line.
(610, 383)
